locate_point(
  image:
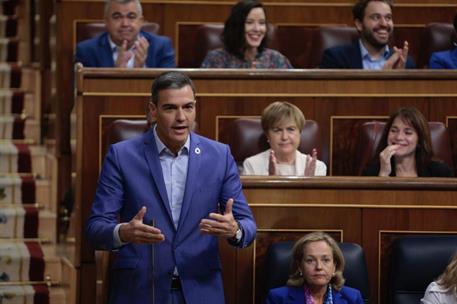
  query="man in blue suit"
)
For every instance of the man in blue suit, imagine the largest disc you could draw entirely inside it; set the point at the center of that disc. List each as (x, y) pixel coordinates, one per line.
(374, 22)
(124, 44)
(163, 201)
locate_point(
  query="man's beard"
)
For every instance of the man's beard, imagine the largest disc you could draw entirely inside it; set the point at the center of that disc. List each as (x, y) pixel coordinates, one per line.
(370, 38)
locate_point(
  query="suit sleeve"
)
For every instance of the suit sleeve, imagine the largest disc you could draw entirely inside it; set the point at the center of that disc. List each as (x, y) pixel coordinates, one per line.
(273, 298)
(329, 60)
(435, 62)
(232, 188)
(168, 59)
(82, 56)
(107, 204)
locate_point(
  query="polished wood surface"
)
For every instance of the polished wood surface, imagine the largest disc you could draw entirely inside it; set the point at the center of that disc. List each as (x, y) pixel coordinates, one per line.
(369, 211)
(338, 100)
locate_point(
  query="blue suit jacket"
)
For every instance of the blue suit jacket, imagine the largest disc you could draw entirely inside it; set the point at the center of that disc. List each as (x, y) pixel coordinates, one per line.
(349, 57)
(97, 53)
(131, 177)
(296, 295)
(443, 60)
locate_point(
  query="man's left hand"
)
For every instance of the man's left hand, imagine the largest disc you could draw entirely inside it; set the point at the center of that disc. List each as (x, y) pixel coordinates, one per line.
(221, 225)
(140, 52)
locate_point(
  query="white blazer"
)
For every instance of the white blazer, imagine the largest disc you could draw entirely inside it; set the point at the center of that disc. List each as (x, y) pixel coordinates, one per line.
(258, 164)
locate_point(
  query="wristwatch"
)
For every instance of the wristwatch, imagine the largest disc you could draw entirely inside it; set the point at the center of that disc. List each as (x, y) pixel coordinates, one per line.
(239, 233)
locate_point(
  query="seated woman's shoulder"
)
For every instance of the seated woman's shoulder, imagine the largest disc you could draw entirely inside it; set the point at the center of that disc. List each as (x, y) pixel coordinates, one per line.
(351, 295)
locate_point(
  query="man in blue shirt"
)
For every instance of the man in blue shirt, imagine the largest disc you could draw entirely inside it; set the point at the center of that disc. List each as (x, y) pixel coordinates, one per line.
(374, 22)
(163, 201)
(124, 44)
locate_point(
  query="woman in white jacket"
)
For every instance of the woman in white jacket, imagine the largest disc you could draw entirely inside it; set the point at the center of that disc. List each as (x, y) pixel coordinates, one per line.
(443, 290)
(282, 123)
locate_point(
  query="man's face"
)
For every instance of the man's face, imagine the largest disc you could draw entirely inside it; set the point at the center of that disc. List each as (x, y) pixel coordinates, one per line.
(174, 115)
(377, 25)
(123, 22)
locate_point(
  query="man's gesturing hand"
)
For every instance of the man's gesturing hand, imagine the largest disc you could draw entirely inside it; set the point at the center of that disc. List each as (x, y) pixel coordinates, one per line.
(137, 232)
(221, 225)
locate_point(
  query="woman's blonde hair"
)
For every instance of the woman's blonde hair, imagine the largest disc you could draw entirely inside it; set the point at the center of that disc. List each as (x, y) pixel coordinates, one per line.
(296, 276)
(448, 279)
(279, 111)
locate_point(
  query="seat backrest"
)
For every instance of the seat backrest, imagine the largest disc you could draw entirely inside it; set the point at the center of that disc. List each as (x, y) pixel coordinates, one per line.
(329, 36)
(416, 261)
(246, 138)
(371, 132)
(279, 255)
(436, 37)
(122, 129)
(90, 29)
(208, 38)
(296, 43)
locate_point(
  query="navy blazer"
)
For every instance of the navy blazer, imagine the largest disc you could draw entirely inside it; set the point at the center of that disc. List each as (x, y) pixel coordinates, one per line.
(349, 57)
(443, 60)
(97, 53)
(296, 295)
(131, 177)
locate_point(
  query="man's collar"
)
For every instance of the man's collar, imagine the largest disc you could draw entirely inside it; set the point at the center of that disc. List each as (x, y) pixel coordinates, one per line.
(161, 146)
(366, 54)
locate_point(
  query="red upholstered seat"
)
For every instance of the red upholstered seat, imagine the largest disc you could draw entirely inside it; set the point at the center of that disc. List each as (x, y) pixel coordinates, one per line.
(329, 36)
(436, 37)
(371, 132)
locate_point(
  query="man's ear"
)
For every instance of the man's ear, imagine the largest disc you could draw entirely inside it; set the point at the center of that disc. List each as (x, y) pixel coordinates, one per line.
(358, 25)
(152, 113)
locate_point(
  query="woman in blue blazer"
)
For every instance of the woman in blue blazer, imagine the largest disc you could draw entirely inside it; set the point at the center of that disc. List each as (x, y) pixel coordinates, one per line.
(445, 59)
(316, 275)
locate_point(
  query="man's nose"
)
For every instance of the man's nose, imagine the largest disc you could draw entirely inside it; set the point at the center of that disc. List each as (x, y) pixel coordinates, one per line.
(383, 21)
(180, 115)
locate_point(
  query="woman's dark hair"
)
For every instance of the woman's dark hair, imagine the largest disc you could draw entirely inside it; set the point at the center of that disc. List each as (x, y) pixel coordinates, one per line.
(413, 117)
(233, 34)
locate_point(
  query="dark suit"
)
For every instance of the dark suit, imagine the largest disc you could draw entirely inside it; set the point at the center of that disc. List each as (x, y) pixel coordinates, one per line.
(97, 53)
(132, 177)
(443, 60)
(296, 295)
(349, 57)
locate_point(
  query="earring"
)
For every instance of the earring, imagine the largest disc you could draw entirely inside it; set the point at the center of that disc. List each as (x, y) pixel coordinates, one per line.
(300, 274)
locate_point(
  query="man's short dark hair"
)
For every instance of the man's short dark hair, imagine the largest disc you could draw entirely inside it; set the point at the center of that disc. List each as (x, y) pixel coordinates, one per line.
(170, 80)
(358, 10)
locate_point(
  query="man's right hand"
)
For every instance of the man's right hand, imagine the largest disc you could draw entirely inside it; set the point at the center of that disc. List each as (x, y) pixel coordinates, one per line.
(137, 232)
(123, 56)
(385, 167)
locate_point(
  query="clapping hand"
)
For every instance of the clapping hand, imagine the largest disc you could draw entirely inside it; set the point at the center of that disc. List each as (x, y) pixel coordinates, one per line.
(398, 58)
(272, 162)
(310, 168)
(141, 52)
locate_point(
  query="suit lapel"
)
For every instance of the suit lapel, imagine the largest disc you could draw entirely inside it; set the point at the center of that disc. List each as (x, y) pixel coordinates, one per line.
(105, 56)
(192, 177)
(152, 158)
